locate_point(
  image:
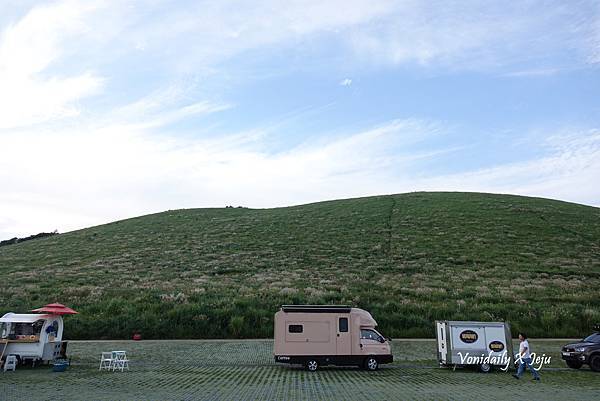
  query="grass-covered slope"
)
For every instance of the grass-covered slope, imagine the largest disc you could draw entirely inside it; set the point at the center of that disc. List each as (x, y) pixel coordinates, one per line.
(409, 259)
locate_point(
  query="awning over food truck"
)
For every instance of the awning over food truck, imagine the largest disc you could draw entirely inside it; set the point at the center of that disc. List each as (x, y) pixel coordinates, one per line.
(55, 309)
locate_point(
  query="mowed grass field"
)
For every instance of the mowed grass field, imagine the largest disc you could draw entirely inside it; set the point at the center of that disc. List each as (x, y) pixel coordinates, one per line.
(244, 370)
(409, 259)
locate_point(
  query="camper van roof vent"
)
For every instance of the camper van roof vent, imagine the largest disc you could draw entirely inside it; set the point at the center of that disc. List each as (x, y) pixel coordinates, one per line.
(316, 308)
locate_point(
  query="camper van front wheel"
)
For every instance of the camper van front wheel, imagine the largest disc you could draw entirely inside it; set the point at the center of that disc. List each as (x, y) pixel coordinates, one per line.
(485, 367)
(312, 365)
(371, 363)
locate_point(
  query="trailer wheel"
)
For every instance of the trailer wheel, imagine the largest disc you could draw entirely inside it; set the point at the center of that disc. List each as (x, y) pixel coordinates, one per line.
(312, 365)
(371, 363)
(485, 368)
(574, 364)
(595, 363)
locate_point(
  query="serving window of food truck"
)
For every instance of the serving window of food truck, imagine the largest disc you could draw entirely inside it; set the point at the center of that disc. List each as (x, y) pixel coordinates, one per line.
(24, 331)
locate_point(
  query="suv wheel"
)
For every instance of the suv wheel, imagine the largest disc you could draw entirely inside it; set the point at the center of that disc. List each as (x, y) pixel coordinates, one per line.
(371, 363)
(312, 365)
(595, 363)
(574, 364)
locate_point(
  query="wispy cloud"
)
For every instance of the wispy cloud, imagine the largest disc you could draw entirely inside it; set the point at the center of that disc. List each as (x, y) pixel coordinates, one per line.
(593, 41)
(135, 172)
(203, 36)
(27, 49)
(567, 170)
(540, 72)
(478, 35)
(457, 34)
(218, 30)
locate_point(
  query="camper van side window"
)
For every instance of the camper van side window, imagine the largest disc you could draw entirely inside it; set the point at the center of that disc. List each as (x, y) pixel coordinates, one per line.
(343, 325)
(295, 328)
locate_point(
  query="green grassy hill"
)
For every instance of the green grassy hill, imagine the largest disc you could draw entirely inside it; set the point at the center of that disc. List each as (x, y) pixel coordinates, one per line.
(409, 259)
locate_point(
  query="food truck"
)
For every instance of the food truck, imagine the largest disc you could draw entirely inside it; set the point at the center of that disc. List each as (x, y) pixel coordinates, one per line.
(35, 337)
(481, 344)
(318, 335)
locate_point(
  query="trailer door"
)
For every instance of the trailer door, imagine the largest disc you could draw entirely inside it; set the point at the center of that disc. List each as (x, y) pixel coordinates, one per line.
(343, 339)
(442, 341)
(495, 338)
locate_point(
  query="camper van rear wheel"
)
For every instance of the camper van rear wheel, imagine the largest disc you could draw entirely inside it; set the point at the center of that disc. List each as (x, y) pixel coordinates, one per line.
(371, 363)
(312, 365)
(485, 367)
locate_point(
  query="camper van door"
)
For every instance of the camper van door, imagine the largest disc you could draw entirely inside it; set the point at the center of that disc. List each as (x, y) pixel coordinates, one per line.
(372, 342)
(343, 339)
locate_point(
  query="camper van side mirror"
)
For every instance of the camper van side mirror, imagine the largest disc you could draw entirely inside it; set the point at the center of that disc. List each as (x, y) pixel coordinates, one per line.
(381, 340)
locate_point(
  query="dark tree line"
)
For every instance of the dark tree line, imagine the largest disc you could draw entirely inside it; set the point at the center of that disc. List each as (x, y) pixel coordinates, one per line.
(16, 240)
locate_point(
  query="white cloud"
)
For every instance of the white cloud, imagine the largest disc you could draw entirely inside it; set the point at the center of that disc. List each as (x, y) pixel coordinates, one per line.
(164, 118)
(48, 58)
(540, 72)
(27, 49)
(346, 82)
(567, 171)
(210, 32)
(72, 180)
(477, 35)
(200, 37)
(457, 34)
(593, 42)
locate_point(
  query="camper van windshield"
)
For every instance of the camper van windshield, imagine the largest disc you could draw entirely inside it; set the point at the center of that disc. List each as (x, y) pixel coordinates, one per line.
(369, 334)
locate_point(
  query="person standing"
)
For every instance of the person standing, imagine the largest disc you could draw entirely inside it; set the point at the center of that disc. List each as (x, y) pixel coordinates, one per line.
(525, 359)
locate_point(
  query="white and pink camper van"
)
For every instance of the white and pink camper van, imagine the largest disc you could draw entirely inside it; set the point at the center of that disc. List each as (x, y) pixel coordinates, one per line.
(316, 335)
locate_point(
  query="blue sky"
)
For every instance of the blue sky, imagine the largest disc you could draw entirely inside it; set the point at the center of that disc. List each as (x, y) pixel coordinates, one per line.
(110, 109)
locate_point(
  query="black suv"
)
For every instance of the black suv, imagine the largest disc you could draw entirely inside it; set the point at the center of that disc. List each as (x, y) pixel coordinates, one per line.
(586, 351)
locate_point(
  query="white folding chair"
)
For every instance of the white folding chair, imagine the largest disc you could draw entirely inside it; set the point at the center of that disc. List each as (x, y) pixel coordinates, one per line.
(120, 361)
(10, 363)
(106, 361)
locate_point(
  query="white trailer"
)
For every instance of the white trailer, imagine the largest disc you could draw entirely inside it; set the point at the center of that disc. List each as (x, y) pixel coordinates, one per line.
(481, 344)
(33, 337)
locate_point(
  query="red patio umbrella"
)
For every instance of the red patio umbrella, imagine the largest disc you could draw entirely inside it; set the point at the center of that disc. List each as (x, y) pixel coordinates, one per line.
(55, 309)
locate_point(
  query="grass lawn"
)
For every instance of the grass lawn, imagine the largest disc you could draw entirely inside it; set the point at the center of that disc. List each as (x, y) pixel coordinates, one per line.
(244, 370)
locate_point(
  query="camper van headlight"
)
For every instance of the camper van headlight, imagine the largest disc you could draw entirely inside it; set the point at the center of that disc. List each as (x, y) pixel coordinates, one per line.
(580, 349)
